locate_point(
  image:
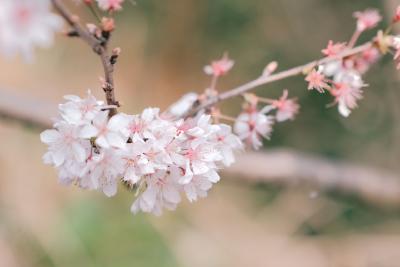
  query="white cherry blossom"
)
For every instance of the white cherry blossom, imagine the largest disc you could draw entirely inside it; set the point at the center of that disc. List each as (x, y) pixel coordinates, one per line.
(64, 143)
(162, 158)
(25, 24)
(252, 126)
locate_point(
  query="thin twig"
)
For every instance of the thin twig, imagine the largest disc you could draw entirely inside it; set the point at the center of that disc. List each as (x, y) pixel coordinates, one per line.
(98, 46)
(275, 77)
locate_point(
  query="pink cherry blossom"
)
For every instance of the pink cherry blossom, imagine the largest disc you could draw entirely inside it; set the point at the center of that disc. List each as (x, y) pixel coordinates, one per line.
(219, 67)
(227, 143)
(182, 106)
(252, 125)
(333, 49)
(367, 19)
(110, 5)
(347, 91)
(363, 62)
(316, 80)
(286, 108)
(396, 17)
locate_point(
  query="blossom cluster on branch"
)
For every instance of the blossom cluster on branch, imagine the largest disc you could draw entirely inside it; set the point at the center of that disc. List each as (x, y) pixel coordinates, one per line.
(165, 155)
(158, 157)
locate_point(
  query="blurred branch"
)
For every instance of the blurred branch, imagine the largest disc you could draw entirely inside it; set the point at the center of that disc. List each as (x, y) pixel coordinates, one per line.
(288, 167)
(98, 46)
(32, 112)
(282, 166)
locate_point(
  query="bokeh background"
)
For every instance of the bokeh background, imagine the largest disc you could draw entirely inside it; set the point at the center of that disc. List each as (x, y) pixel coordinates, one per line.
(165, 45)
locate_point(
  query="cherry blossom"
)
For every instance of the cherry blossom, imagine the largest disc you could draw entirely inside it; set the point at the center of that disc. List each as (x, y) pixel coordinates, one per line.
(80, 111)
(333, 49)
(64, 143)
(162, 191)
(107, 133)
(367, 58)
(102, 172)
(167, 156)
(161, 157)
(367, 19)
(219, 67)
(25, 24)
(347, 91)
(286, 108)
(227, 143)
(316, 80)
(110, 5)
(396, 17)
(182, 106)
(252, 125)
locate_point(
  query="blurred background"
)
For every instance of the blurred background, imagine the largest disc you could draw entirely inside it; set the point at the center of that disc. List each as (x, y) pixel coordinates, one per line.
(165, 45)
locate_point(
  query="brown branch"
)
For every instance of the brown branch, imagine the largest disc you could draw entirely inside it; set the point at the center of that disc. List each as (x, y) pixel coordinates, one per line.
(28, 111)
(275, 77)
(98, 46)
(288, 167)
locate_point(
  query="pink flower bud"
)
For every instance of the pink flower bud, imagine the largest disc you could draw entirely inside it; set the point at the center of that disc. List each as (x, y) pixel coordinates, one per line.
(367, 19)
(270, 68)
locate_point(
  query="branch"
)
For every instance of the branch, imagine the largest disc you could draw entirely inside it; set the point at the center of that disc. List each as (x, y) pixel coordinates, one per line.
(31, 112)
(288, 167)
(98, 46)
(275, 77)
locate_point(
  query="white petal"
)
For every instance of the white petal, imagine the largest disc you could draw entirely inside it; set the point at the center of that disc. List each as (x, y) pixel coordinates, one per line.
(102, 141)
(199, 167)
(213, 176)
(49, 136)
(118, 122)
(116, 140)
(58, 157)
(190, 191)
(171, 194)
(88, 131)
(110, 189)
(344, 110)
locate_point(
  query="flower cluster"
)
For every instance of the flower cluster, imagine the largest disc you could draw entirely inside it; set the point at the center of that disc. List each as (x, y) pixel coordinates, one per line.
(253, 124)
(159, 157)
(342, 78)
(25, 24)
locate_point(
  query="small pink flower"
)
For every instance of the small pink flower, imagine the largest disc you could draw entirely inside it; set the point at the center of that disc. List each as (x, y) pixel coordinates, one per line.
(367, 19)
(219, 67)
(286, 108)
(333, 49)
(110, 5)
(252, 125)
(317, 81)
(368, 57)
(346, 96)
(396, 17)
